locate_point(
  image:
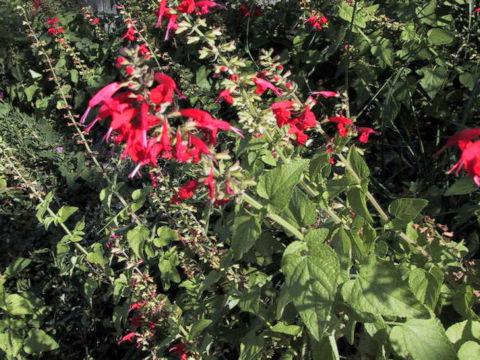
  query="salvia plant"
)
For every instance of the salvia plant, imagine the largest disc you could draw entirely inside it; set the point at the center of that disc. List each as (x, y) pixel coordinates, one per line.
(240, 180)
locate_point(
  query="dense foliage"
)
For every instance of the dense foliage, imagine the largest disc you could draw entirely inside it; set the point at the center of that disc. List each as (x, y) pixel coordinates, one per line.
(240, 180)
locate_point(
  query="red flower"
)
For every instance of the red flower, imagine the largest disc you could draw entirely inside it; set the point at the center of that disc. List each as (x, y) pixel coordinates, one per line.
(166, 80)
(210, 182)
(301, 137)
(204, 120)
(203, 7)
(130, 34)
(470, 161)
(103, 95)
(326, 93)
(306, 120)
(143, 50)
(52, 31)
(188, 190)
(187, 6)
(477, 10)
(129, 70)
(96, 20)
(53, 21)
(128, 337)
(461, 139)
(225, 95)
(180, 349)
(282, 112)
(161, 12)
(120, 61)
(245, 10)
(264, 85)
(36, 4)
(341, 122)
(365, 133)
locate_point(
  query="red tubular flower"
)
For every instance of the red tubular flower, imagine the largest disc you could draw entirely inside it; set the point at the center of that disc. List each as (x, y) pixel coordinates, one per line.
(210, 182)
(326, 93)
(470, 161)
(165, 141)
(128, 337)
(103, 95)
(365, 133)
(198, 148)
(188, 190)
(301, 137)
(181, 154)
(96, 21)
(461, 139)
(204, 120)
(172, 23)
(203, 7)
(264, 85)
(53, 21)
(187, 6)
(52, 31)
(225, 95)
(282, 112)
(36, 4)
(180, 349)
(306, 120)
(341, 122)
(144, 122)
(161, 12)
(166, 80)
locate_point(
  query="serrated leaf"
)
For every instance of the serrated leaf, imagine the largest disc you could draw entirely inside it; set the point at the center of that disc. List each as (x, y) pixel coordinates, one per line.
(311, 271)
(39, 341)
(246, 230)
(422, 339)
(277, 185)
(407, 209)
(379, 289)
(358, 203)
(316, 235)
(462, 186)
(301, 211)
(426, 286)
(358, 163)
(65, 212)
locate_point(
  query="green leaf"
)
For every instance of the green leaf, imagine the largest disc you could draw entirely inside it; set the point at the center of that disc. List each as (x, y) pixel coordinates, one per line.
(277, 185)
(168, 268)
(356, 200)
(433, 80)
(464, 331)
(358, 163)
(379, 289)
(74, 75)
(246, 230)
(198, 327)
(65, 212)
(438, 36)
(462, 186)
(18, 305)
(469, 350)
(301, 211)
(426, 285)
(311, 270)
(284, 328)
(251, 346)
(11, 344)
(136, 239)
(165, 236)
(17, 266)
(96, 257)
(316, 235)
(39, 341)
(30, 92)
(422, 339)
(325, 349)
(407, 209)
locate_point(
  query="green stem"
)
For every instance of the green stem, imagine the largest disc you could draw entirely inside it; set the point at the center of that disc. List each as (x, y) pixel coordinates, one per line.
(277, 218)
